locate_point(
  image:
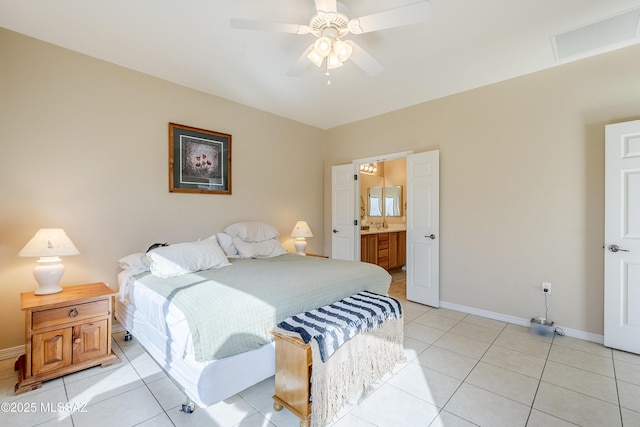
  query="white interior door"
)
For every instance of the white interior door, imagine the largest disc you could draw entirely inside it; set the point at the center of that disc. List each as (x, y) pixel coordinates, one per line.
(423, 228)
(622, 237)
(343, 229)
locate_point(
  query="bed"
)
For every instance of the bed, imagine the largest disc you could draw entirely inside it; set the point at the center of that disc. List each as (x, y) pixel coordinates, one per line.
(210, 329)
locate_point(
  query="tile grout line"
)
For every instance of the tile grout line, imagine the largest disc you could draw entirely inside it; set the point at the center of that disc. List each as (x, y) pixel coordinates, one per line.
(463, 381)
(535, 395)
(574, 391)
(147, 387)
(615, 379)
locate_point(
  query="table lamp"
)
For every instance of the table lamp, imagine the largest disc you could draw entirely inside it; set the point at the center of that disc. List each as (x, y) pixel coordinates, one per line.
(49, 244)
(300, 231)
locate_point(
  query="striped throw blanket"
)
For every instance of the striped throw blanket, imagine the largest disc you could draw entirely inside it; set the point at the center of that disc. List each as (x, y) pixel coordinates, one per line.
(333, 325)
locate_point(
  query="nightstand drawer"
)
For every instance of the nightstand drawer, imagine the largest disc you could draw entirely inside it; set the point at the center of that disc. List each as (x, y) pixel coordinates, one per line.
(70, 313)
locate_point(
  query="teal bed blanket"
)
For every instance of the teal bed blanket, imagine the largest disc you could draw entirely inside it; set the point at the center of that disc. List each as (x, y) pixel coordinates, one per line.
(232, 309)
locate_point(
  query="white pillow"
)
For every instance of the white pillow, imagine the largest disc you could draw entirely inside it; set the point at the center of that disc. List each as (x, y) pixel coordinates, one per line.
(226, 243)
(265, 249)
(134, 261)
(183, 258)
(252, 231)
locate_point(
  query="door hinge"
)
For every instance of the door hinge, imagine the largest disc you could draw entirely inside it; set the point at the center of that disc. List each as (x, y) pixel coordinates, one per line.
(355, 222)
(355, 177)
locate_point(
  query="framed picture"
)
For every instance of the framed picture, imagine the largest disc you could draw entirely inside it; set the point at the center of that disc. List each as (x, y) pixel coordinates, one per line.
(199, 160)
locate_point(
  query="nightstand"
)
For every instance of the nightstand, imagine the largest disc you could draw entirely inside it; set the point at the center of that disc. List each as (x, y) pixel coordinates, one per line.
(64, 333)
(316, 255)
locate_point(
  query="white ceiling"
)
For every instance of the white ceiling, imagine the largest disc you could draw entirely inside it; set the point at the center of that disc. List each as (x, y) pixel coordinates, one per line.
(465, 44)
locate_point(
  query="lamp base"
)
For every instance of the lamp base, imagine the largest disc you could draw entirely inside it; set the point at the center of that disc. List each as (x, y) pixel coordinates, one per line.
(300, 245)
(48, 273)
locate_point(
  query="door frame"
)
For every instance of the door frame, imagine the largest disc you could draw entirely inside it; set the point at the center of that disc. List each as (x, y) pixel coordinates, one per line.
(356, 171)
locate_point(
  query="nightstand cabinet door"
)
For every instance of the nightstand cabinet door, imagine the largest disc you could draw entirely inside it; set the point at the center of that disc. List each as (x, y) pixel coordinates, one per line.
(89, 341)
(51, 351)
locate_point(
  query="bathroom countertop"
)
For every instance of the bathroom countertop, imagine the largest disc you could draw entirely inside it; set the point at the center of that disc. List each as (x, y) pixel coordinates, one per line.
(391, 229)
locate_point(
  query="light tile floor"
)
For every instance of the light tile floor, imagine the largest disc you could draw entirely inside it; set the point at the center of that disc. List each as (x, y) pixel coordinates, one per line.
(461, 370)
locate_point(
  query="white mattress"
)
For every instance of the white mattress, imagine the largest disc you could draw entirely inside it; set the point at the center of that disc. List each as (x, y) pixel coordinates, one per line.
(163, 331)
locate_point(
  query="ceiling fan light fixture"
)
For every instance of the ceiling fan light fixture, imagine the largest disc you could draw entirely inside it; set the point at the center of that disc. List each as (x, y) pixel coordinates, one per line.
(322, 46)
(315, 58)
(330, 22)
(342, 50)
(333, 61)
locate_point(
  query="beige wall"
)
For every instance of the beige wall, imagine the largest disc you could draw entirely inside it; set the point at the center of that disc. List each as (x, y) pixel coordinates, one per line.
(85, 148)
(521, 183)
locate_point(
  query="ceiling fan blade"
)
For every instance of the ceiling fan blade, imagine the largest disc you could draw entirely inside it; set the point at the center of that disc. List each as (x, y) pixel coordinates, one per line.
(301, 64)
(366, 62)
(249, 24)
(405, 15)
(326, 6)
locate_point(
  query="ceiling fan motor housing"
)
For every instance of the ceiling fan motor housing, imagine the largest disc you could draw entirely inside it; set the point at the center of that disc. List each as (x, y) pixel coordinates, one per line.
(329, 21)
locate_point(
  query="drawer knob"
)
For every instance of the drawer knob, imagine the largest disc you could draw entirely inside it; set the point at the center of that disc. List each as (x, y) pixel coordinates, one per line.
(73, 312)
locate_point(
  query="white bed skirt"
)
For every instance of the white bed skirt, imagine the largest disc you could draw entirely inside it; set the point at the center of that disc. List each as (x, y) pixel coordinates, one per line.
(205, 383)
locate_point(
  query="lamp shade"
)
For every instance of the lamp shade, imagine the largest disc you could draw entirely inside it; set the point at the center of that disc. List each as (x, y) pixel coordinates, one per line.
(322, 46)
(342, 50)
(49, 242)
(316, 59)
(301, 229)
(333, 61)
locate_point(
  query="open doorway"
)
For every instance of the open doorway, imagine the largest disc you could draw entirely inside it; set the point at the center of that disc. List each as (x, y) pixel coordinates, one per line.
(422, 220)
(383, 196)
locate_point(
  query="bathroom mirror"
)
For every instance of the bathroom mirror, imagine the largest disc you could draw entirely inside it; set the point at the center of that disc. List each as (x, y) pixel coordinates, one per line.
(374, 201)
(384, 201)
(393, 200)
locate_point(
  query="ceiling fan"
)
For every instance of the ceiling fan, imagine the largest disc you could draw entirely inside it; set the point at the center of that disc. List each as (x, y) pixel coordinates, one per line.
(330, 24)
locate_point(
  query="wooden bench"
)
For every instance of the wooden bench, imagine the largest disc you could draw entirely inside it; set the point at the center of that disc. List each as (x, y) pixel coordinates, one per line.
(376, 337)
(293, 377)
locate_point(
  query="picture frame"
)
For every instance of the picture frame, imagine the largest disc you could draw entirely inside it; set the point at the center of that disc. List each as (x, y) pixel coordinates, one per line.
(199, 160)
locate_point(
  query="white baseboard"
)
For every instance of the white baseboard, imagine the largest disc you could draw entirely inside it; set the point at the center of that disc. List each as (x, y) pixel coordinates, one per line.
(11, 352)
(575, 333)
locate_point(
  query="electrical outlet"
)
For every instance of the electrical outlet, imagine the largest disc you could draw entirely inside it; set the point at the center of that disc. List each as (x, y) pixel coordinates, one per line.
(546, 287)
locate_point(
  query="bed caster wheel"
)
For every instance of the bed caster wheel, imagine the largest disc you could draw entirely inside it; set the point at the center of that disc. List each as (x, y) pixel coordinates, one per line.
(128, 337)
(277, 406)
(188, 408)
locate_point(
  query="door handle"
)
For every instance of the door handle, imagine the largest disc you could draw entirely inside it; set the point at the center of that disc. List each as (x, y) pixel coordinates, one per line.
(334, 230)
(616, 248)
(431, 236)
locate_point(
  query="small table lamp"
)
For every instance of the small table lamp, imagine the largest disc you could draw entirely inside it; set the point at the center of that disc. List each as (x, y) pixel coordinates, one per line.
(49, 244)
(300, 231)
